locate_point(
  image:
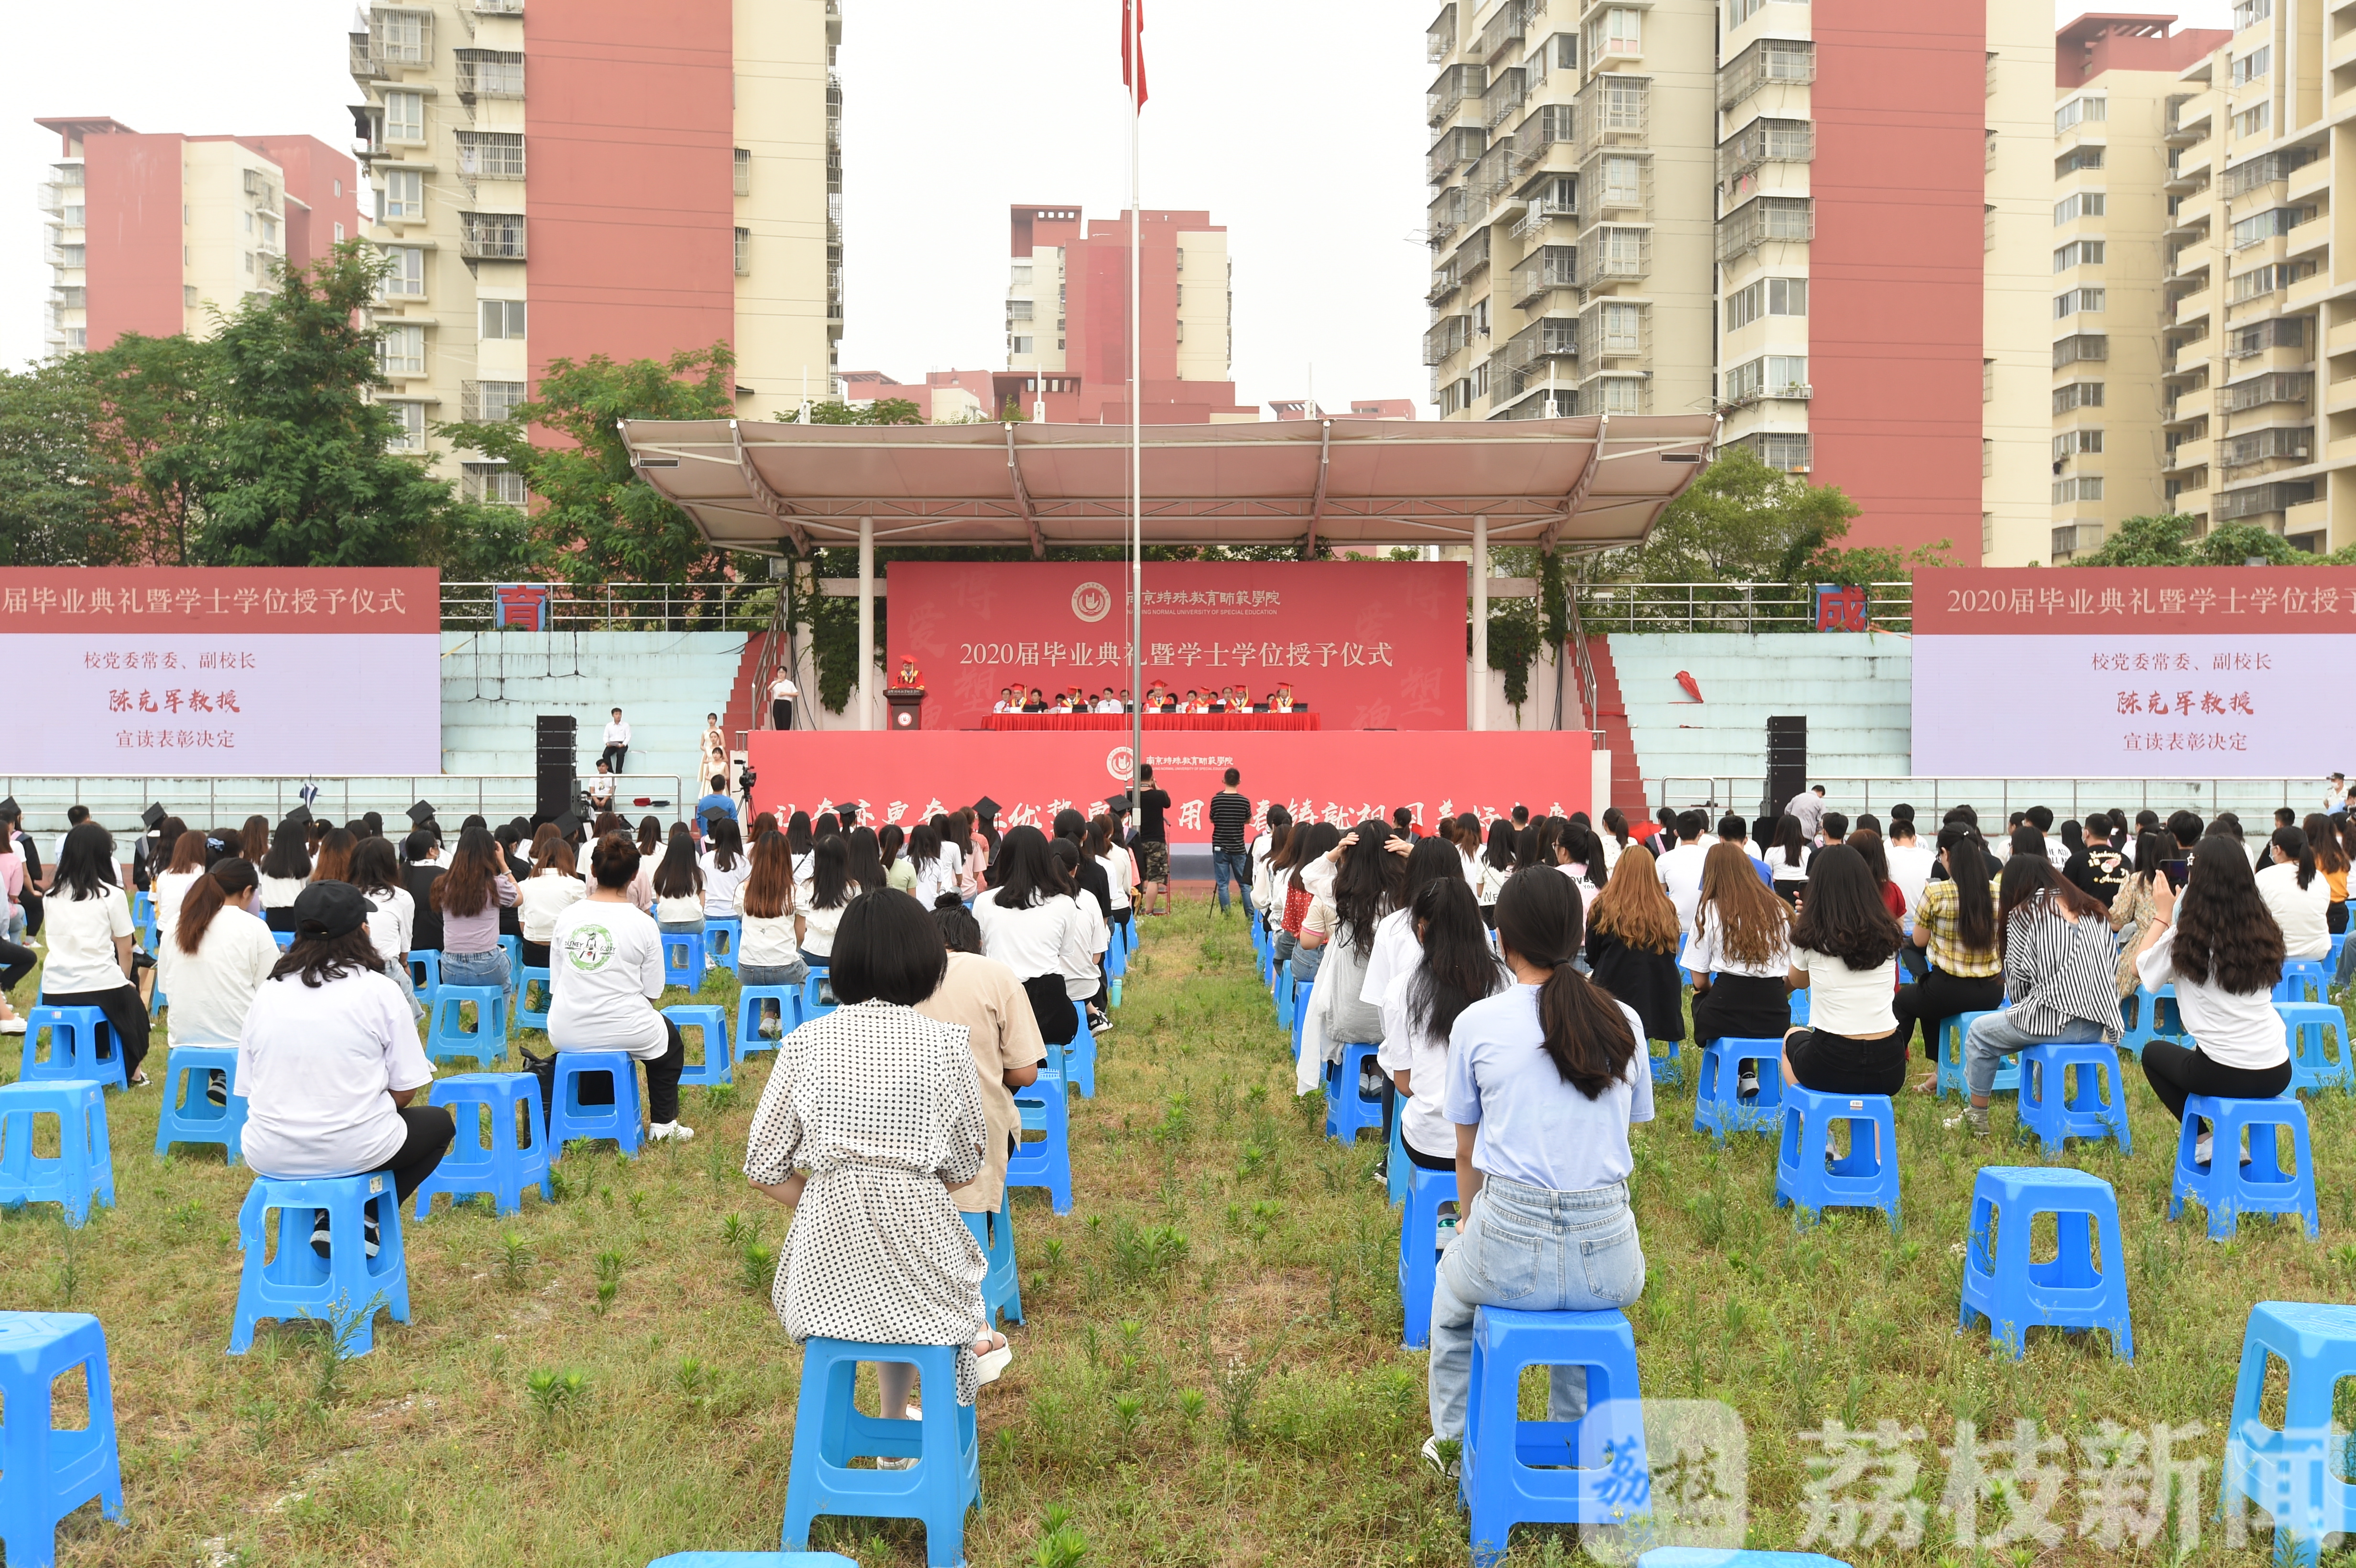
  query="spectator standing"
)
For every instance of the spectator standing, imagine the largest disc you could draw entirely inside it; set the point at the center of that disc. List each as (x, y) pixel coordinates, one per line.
(1807, 808)
(782, 693)
(1152, 840)
(618, 743)
(1230, 820)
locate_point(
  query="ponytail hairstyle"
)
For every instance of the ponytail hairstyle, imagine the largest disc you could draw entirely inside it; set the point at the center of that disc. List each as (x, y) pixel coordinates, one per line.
(2292, 841)
(1615, 823)
(1098, 840)
(2330, 856)
(888, 840)
(1458, 967)
(1434, 859)
(231, 878)
(1974, 905)
(1586, 1036)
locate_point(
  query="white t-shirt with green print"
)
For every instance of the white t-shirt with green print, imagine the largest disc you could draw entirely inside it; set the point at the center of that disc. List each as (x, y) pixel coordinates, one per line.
(606, 969)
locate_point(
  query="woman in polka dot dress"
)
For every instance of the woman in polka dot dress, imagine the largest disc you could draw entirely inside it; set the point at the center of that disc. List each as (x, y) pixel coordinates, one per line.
(871, 1119)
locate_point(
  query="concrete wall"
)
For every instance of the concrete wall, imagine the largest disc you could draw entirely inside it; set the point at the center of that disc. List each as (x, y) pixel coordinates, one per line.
(494, 684)
(1855, 689)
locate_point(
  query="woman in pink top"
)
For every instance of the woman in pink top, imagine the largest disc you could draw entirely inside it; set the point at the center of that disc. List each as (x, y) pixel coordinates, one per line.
(17, 961)
(470, 895)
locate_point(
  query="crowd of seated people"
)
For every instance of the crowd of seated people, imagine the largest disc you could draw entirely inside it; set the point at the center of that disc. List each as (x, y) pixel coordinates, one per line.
(1160, 697)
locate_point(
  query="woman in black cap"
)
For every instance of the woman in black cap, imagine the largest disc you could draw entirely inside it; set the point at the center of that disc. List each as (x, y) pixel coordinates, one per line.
(328, 1062)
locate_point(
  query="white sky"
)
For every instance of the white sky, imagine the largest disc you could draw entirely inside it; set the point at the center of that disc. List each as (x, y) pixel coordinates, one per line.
(1304, 137)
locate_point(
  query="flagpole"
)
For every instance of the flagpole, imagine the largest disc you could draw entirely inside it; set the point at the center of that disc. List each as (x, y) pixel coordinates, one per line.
(1133, 22)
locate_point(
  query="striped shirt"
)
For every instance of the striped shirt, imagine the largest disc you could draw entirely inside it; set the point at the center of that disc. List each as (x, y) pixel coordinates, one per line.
(1937, 917)
(2057, 969)
(1231, 813)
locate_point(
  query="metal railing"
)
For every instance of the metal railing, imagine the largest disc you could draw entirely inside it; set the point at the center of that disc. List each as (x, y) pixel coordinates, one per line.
(115, 801)
(733, 606)
(1995, 798)
(1729, 606)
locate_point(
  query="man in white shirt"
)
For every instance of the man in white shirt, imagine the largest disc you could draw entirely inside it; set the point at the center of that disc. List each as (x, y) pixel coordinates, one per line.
(782, 692)
(1733, 829)
(600, 787)
(1807, 808)
(618, 741)
(2334, 794)
(1680, 869)
(2042, 819)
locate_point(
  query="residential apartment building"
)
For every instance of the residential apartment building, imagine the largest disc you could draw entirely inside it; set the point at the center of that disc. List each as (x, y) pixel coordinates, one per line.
(162, 233)
(2249, 413)
(553, 181)
(1067, 318)
(1764, 207)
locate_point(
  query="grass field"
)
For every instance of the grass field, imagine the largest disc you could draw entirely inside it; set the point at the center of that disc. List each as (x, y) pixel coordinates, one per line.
(1210, 1373)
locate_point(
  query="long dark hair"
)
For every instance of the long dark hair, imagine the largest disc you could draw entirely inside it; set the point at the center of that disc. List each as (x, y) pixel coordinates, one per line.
(1367, 885)
(1458, 967)
(651, 836)
(2329, 855)
(831, 873)
(925, 844)
(83, 864)
(2030, 881)
(230, 879)
(797, 833)
(1500, 853)
(2225, 935)
(1586, 1034)
(2152, 852)
(1432, 860)
(866, 859)
(376, 867)
(2292, 841)
(1842, 915)
(727, 843)
(1791, 840)
(471, 884)
(1975, 906)
(1318, 841)
(290, 854)
(1026, 874)
(676, 876)
(888, 840)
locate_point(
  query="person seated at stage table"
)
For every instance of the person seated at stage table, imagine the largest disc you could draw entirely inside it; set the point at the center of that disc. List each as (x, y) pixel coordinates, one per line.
(1124, 700)
(1063, 703)
(1006, 702)
(1038, 703)
(1109, 703)
(1283, 703)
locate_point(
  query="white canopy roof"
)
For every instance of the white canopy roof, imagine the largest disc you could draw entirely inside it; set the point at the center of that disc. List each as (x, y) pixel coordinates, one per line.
(776, 488)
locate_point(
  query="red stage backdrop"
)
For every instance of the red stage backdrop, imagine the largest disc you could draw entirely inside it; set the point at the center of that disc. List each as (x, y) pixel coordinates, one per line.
(1321, 777)
(2131, 672)
(1368, 645)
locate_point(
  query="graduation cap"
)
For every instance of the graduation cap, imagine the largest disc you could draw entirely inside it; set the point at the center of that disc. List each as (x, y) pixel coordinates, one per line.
(9, 809)
(848, 810)
(1118, 805)
(568, 824)
(421, 812)
(985, 806)
(153, 816)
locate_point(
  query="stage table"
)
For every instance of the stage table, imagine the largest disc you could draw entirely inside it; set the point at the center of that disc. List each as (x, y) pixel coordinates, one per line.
(1120, 721)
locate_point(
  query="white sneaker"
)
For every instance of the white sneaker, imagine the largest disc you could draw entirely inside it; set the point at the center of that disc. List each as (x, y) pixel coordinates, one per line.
(12, 1026)
(669, 1132)
(2202, 1148)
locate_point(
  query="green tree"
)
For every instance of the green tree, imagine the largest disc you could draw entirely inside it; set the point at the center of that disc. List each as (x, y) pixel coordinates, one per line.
(297, 471)
(56, 489)
(2168, 539)
(883, 411)
(597, 521)
(158, 403)
(1739, 521)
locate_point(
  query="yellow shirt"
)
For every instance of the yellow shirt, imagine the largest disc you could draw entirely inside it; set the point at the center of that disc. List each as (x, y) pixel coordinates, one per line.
(1935, 917)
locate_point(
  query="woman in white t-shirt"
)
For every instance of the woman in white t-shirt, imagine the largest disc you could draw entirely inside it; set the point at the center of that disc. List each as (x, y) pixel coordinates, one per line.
(1120, 868)
(1496, 866)
(1845, 953)
(1451, 967)
(770, 954)
(1790, 858)
(678, 885)
(2297, 894)
(328, 1062)
(187, 863)
(552, 887)
(1031, 923)
(831, 892)
(216, 958)
(1740, 952)
(2217, 943)
(607, 972)
(935, 863)
(392, 910)
(87, 923)
(724, 868)
(285, 872)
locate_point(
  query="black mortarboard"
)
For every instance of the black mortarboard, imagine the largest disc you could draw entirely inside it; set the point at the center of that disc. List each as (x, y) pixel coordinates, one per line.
(1118, 805)
(848, 810)
(9, 809)
(421, 812)
(153, 816)
(568, 824)
(985, 806)
(299, 817)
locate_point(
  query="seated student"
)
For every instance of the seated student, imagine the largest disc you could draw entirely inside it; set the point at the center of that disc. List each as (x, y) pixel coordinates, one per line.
(831, 892)
(470, 895)
(2055, 941)
(328, 1062)
(90, 962)
(1867, 843)
(1449, 966)
(2297, 894)
(214, 960)
(765, 901)
(1844, 951)
(1632, 943)
(678, 885)
(1544, 1081)
(2331, 864)
(1740, 952)
(553, 887)
(1787, 862)
(187, 863)
(1033, 922)
(607, 971)
(2218, 944)
(1955, 923)
(392, 913)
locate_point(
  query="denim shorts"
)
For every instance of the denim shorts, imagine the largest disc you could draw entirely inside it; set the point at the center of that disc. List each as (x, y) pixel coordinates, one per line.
(792, 973)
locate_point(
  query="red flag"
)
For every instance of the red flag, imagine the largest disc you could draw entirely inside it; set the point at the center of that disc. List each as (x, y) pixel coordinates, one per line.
(1132, 39)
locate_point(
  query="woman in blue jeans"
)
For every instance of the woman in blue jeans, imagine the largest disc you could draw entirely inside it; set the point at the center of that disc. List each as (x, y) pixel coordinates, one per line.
(2060, 980)
(470, 895)
(1544, 1081)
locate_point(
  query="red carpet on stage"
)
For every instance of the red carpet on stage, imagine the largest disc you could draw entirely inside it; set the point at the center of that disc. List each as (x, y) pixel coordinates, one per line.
(1119, 721)
(1330, 775)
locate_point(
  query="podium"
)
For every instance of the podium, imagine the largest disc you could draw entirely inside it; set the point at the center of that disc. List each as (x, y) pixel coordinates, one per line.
(906, 706)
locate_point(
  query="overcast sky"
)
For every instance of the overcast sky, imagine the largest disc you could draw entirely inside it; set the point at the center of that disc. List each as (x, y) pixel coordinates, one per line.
(1304, 138)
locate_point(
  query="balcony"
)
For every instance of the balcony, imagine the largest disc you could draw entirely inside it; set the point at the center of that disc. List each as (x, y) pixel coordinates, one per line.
(365, 67)
(1765, 142)
(1506, 29)
(492, 236)
(1557, 198)
(498, 7)
(1440, 38)
(2260, 499)
(1762, 220)
(1613, 109)
(1445, 338)
(1471, 256)
(1607, 255)
(1617, 184)
(1453, 86)
(2273, 387)
(1550, 337)
(1552, 267)
(1548, 126)
(2293, 443)
(1507, 93)
(1457, 147)
(489, 73)
(401, 38)
(1770, 62)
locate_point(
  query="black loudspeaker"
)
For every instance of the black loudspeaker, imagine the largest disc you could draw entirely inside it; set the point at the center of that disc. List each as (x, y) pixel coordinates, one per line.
(1787, 765)
(556, 755)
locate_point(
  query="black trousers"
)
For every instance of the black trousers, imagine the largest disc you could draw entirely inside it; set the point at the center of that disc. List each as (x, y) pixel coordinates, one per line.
(1939, 996)
(662, 1078)
(16, 963)
(2175, 1072)
(781, 712)
(127, 1016)
(613, 755)
(428, 1129)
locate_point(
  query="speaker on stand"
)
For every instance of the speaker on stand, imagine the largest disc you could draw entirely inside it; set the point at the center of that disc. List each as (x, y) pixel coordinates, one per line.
(557, 760)
(1787, 767)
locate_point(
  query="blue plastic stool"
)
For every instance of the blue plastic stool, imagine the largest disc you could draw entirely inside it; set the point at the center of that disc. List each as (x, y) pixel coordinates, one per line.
(1719, 1107)
(143, 908)
(2228, 1186)
(712, 1022)
(2303, 980)
(188, 1114)
(1811, 1180)
(526, 1014)
(83, 1167)
(571, 1119)
(1083, 1055)
(48, 1472)
(2157, 1018)
(2014, 1294)
(1520, 1472)
(720, 953)
(506, 1161)
(285, 939)
(749, 1038)
(2310, 1025)
(1419, 1254)
(82, 1046)
(2098, 1109)
(297, 1283)
(1116, 961)
(828, 1433)
(1669, 1069)
(449, 1039)
(682, 957)
(1802, 1005)
(425, 972)
(1001, 1288)
(1047, 1162)
(2292, 1471)
(1396, 1164)
(513, 947)
(1951, 1058)
(753, 1560)
(157, 1002)
(1281, 984)
(1300, 1012)
(817, 995)
(1349, 1109)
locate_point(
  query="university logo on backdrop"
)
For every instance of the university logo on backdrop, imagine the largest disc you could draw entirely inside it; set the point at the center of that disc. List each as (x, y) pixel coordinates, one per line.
(1091, 601)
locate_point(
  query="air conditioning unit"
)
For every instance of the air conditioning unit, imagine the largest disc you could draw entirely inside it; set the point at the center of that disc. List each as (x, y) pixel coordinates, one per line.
(1796, 389)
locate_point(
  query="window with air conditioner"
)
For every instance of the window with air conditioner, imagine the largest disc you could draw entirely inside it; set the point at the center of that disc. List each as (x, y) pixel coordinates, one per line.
(404, 275)
(502, 319)
(408, 427)
(2074, 301)
(403, 199)
(404, 117)
(1769, 375)
(402, 350)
